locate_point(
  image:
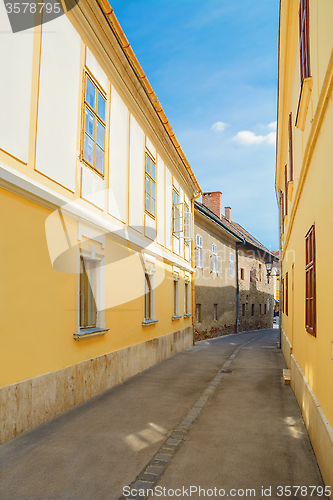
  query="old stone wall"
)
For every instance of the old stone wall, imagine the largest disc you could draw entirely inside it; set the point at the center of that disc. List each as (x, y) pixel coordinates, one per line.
(256, 294)
(215, 288)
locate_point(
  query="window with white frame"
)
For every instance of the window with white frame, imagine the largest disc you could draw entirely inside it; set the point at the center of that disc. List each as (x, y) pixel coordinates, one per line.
(199, 252)
(187, 225)
(177, 218)
(88, 310)
(231, 265)
(214, 258)
(91, 292)
(149, 293)
(148, 298)
(187, 298)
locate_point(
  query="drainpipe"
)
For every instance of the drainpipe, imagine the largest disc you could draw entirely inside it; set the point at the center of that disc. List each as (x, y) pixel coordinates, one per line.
(238, 245)
(192, 262)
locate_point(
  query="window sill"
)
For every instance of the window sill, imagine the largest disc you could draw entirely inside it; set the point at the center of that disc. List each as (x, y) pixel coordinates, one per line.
(303, 103)
(87, 333)
(187, 315)
(147, 322)
(176, 317)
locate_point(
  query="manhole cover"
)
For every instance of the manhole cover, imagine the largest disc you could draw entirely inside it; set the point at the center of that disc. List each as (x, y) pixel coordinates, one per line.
(226, 371)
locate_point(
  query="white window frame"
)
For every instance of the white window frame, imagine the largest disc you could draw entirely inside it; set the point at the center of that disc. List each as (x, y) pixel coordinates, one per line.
(199, 251)
(149, 269)
(187, 298)
(231, 265)
(214, 258)
(98, 287)
(176, 290)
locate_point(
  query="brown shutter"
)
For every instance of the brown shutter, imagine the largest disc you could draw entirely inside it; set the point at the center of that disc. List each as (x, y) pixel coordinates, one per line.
(304, 46)
(287, 296)
(291, 165)
(310, 282)
(285, 190)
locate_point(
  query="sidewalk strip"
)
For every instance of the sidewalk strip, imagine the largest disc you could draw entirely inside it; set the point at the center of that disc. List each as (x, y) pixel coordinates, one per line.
(152, 472)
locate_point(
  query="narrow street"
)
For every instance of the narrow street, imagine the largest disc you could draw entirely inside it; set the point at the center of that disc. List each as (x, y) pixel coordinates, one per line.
(181, 424)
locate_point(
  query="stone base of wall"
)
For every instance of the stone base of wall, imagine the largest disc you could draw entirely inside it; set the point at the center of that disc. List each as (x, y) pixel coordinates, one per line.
(26, 404)
(213, 332)
(318, 427)
(286, 348)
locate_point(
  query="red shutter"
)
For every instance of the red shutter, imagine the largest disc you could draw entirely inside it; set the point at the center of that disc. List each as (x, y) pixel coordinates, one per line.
(291, 165)
(310, 282)
(287, 296)
(286, 190)
(304, 46)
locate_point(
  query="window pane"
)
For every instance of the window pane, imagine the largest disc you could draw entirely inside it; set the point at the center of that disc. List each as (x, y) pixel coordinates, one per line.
(100, 134)
(147, 184)
(89, 126)
(152, 208)
(101, 107)
(91, 94)
(147, 165)
(152, 189)
(99, 159)
(88, 149)
(152, 170)
(148, 202)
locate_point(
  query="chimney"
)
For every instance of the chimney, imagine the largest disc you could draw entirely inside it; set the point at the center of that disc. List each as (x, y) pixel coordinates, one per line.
(227, 211)
(213, 201)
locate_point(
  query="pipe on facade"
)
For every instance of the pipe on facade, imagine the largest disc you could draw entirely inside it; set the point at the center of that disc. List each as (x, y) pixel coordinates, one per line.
(192, 261)
(238, 245)
(126, 46)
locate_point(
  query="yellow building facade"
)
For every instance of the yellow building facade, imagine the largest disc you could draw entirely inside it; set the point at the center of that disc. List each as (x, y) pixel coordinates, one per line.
(304, 183)
(96, 203)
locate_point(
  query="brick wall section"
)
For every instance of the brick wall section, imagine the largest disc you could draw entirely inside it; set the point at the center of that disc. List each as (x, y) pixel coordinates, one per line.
(213, 201)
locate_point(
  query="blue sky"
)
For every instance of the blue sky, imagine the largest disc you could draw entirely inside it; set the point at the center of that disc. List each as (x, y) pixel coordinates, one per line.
(213, 66)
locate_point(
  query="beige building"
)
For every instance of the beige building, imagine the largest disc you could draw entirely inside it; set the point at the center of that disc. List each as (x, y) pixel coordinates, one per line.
(232, 290)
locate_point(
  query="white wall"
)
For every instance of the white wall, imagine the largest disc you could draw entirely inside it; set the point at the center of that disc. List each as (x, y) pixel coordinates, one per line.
(97, 71)
(118, 157)
(93, 187)
(58, 102)
(136, 187)
(15, 88)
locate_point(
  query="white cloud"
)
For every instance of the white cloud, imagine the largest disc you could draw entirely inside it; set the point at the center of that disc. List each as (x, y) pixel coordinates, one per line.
(219, 126)
(246, 137)
(272, 126)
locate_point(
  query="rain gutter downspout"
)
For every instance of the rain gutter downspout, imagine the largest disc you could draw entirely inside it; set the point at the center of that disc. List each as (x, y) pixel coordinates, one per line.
(238, 245)
(192, 261)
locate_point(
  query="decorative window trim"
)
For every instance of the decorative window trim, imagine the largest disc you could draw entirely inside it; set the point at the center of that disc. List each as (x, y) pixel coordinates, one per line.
(199, 251)
(214, 258)
(93, 255)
